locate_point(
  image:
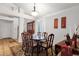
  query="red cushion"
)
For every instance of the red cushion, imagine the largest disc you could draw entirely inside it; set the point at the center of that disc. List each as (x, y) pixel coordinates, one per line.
(64, 46)
(66, 50)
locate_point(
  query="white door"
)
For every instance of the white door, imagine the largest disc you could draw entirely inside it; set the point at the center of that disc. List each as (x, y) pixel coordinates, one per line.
(5, 29)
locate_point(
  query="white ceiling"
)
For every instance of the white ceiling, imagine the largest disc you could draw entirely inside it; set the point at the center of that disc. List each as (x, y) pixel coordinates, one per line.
(45, 8)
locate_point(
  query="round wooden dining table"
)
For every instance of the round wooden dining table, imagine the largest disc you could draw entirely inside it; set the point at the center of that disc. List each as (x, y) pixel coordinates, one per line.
(38, 41)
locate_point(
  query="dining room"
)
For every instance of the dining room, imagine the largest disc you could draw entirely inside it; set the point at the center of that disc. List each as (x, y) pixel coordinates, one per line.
(57, 28)
(39, 29)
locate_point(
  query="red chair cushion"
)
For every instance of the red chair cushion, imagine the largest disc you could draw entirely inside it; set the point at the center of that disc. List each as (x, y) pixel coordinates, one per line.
(66, 50)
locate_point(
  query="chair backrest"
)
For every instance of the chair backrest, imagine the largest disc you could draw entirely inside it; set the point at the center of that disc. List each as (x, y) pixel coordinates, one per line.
(23, 37)
(26, 37)
(74, 40)
(45, 35)
(68, 37)
(50, 40)
(68, 40)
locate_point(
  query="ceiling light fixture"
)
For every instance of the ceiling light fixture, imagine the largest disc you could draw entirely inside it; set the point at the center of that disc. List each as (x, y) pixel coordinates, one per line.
(34, 12)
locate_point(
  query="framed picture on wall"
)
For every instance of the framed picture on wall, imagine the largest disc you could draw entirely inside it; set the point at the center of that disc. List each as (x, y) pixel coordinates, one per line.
(56, 23)
(63, 22)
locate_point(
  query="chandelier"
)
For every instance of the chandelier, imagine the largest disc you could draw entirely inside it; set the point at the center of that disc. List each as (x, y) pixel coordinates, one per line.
(34, 12)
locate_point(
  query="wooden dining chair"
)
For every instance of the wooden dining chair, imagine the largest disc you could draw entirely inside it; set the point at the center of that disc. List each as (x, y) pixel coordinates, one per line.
(30, 44)
(25, 42)
(28, 38)
(48, 44)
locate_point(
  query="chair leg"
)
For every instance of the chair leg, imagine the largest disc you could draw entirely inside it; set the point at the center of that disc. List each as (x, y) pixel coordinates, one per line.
(46, 52)
(25, 52)
(22, 47)
(32, 52)
(52, 50)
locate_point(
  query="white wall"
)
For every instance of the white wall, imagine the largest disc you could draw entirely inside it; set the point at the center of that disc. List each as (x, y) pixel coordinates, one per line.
(14, 28)
(72, 15)
(21, 28)
(40, 25)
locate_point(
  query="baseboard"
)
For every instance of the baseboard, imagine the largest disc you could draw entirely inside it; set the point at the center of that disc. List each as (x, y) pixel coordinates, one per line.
(6, 38)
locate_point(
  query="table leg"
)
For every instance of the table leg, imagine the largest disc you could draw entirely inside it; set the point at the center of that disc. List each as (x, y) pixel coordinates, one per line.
(38, 48)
